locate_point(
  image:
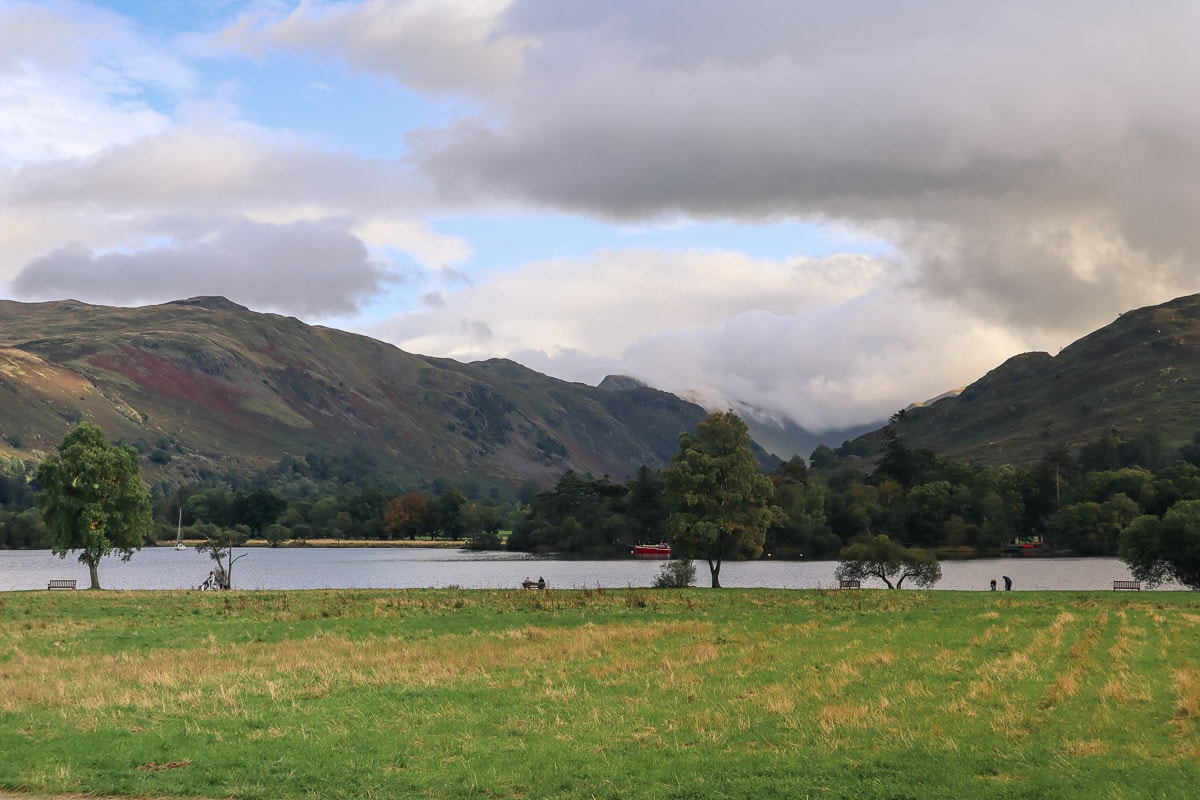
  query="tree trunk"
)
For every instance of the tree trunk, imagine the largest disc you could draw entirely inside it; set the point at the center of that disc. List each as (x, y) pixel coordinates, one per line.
(714, 569)
(93, 572)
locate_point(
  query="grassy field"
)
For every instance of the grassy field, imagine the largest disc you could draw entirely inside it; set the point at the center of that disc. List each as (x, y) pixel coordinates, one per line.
(607, 694)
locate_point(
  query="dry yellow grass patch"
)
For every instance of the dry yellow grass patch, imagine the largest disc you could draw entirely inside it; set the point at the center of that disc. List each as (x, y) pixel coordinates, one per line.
(1122, 646)
(704, 652)
(200, 681)
(1186, 682)
(948, 661)
(1013, 665)
(1060, 624)
(774, 698)
(1065, 685)
(1091, 747)
(1123, 689)
(987, 635)
(837, 716)
(881, 658)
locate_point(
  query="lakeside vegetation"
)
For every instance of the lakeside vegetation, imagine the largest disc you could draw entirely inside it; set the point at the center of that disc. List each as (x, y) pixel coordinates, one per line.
(630, 694)
(1072, 503)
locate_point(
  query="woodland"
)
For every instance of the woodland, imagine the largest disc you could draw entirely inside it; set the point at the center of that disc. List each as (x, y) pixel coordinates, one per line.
(1075, 502)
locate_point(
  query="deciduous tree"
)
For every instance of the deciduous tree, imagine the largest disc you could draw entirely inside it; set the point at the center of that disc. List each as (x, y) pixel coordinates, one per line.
(880, 557)
(721, 505)
(408, 516)
(1158, 550)
(219, 542)
(93, 499)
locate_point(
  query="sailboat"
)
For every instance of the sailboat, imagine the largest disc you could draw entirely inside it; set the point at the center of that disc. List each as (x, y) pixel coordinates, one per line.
(179, 545)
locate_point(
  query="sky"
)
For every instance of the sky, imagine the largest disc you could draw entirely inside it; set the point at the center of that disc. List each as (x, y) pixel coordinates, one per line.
(807, 211)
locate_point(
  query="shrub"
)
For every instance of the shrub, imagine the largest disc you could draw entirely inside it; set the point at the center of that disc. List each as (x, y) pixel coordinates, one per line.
(679, 573)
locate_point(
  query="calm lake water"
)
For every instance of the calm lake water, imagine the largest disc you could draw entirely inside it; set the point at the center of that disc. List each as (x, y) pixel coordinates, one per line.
(417, 568)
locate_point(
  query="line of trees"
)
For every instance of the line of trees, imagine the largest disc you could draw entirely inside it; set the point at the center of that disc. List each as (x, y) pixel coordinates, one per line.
(712, 503)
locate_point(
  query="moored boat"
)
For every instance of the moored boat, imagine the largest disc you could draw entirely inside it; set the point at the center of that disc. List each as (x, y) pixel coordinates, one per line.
(660, 550)
(179, 545)
(1034, 546)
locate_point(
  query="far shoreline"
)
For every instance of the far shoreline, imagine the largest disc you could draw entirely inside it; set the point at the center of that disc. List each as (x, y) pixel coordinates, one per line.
(301, 543)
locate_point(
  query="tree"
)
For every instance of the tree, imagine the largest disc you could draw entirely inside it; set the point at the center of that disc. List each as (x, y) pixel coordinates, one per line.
(577, 516)
(900, 462)
(928, 508)
(823, 457)
(408, 516)
(214, 506)
(1091, 529)
(219, 543)
(644, 507)
(448, 514)
(257, 510)
(481, 525)
(720, 504)
(880, 557)
(93, 499)
(801, 529)
(1158, 550)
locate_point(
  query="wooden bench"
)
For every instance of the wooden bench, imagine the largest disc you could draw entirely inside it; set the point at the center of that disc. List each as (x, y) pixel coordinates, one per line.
(1134, 586)
(64, 584)
(849, 584)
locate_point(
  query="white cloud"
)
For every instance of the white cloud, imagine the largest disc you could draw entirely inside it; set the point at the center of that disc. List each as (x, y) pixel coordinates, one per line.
(429, 45)
(826, 342)
(604, 305)
(73, 80)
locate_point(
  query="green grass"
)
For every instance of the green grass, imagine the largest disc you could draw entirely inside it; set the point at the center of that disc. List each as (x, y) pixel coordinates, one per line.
(609, 694)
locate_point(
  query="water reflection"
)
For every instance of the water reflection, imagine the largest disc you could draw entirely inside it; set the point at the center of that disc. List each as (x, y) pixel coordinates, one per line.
(403, 568)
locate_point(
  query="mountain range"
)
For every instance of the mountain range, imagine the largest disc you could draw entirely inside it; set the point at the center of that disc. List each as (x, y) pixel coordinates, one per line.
(205, 387)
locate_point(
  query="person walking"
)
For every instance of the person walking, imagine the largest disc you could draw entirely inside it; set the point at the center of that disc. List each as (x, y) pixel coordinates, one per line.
(1007, 584)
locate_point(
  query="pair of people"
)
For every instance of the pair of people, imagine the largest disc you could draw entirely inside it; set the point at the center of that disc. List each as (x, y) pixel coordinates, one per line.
(213, 581)
(1007, 584)
(528, 584)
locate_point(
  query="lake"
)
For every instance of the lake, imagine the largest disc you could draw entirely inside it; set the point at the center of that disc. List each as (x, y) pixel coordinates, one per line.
(425, 567)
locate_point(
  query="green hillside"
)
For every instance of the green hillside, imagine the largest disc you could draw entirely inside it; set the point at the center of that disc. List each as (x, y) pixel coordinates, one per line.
(205, 386)
(1137, 377)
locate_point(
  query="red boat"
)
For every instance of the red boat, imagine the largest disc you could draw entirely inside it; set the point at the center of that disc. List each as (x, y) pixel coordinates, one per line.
(1034, 546)
(660, 550)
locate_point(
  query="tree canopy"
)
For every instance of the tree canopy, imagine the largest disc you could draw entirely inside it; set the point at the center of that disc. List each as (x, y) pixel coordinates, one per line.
(1158, 550)
(720, 504)
(880, 557)
(92, 499)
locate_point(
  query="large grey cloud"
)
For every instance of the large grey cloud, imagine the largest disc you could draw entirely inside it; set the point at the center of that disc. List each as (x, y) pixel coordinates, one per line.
(1036, 161)
(312, 269)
